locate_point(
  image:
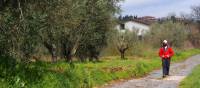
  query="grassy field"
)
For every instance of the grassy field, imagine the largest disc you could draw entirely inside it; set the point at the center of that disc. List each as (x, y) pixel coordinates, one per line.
(79, 75)
(192, 81)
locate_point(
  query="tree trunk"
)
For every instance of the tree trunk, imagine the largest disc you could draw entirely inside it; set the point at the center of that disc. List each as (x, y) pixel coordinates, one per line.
(122, 48)
(69, 58)
(67, 54)
(122, 54)
(52, 50)
(91, 59)
(54, 58)
(97, 58)
(69, 50)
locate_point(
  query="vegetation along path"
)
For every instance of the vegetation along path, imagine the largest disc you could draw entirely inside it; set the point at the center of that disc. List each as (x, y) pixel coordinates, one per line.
(178, 71)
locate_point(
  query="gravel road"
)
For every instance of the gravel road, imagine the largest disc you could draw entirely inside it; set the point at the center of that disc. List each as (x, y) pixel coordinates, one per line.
(178, 71)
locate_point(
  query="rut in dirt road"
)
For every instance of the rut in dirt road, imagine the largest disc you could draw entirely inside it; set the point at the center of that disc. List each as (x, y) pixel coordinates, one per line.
(178, 71)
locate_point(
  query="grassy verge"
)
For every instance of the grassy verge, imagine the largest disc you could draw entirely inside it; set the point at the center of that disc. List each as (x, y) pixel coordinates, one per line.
(78, 75)
(192, 81)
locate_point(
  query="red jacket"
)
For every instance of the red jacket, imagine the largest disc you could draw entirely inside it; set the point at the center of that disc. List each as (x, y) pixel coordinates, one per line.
(166, 54)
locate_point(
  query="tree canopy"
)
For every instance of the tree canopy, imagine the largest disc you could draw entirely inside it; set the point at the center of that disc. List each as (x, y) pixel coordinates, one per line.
(64, 28)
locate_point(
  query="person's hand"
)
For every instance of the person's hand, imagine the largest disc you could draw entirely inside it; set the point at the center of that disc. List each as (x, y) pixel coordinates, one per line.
(163, 56)
(167, 56)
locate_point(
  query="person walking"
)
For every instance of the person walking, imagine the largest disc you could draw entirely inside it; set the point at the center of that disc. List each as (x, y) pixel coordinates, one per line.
(166, 53)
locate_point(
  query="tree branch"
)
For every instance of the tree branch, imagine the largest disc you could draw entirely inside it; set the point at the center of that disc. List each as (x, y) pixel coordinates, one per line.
(20, 9)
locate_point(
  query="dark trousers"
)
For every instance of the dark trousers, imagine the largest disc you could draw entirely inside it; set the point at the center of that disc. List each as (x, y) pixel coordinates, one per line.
(166, 66)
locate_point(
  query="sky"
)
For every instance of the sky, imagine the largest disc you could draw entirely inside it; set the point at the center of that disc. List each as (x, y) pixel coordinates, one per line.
(157, 8)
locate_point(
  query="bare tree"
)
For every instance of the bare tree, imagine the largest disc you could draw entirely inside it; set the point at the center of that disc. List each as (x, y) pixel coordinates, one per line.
(122, 46)
(123, 40)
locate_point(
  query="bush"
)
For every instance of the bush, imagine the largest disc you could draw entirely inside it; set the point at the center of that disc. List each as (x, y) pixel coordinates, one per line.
(17, 74)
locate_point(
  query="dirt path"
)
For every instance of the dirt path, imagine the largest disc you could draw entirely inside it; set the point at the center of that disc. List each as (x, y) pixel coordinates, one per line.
(178, 71)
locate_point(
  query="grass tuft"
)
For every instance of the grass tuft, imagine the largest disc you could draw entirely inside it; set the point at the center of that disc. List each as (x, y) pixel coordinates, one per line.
(192, 81)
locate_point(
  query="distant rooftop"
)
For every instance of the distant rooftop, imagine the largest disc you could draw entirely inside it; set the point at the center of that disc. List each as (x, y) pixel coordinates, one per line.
(146, 20)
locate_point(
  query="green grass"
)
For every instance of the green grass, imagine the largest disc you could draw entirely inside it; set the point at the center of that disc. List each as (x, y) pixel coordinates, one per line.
(192, 81)
(78, 75)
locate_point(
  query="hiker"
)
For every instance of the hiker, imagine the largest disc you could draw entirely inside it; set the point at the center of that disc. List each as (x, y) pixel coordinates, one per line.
(166, 52)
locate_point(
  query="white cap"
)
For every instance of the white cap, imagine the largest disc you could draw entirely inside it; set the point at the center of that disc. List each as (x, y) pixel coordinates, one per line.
(165, 41)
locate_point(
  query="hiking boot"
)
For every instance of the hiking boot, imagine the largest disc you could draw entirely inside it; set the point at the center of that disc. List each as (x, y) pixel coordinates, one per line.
(164, 76)
(167, 75)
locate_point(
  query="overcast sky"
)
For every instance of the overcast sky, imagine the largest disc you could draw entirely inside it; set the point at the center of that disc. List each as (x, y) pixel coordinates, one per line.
(157, 8)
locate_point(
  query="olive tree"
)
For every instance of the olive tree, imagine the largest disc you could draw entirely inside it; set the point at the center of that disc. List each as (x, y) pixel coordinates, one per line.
(99, 20)
(194, 35)
(18, 32)
(122, 40)
(175, 33)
